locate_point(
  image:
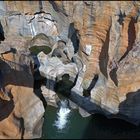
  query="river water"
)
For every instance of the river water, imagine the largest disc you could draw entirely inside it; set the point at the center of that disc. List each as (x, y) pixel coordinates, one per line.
(72, 126)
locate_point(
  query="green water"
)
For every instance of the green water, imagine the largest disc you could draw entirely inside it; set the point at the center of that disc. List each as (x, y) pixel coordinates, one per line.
(36, 49)
(93, 127)
(74, 128)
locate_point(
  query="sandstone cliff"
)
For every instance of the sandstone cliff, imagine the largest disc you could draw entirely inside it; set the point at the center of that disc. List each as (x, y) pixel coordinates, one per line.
(101, 38)
(21, 112)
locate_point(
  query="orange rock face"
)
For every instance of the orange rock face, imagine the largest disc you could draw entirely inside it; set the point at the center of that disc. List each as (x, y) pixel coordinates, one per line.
(108, 33)
(112, 29)
(18, 103)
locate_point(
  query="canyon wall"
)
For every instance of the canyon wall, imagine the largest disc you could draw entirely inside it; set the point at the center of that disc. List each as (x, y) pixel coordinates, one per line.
(103, 39)
(21, 111)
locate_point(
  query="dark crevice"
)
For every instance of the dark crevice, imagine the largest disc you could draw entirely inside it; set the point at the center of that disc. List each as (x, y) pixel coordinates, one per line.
(38, 81)
(40, 12)
(56, 8)
(113, 76)
(86, 92)
(72, 34)
(21, 127)
(104, 57)
(37, 87)
(40, 5)
(62, 41)
(2, 37)
(121, 17)
(131, 37)
(93, 82)
(54, 5)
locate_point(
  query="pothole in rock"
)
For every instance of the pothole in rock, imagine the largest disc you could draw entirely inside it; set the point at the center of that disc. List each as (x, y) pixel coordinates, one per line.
(64, 86)
(86, 93)
(36, 49)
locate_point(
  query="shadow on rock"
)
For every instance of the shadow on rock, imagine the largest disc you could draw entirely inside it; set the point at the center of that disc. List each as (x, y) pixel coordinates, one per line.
(2, 38)
(16, 74)
(72, 34)
(6, 107)
(104, 57)
(131, 107)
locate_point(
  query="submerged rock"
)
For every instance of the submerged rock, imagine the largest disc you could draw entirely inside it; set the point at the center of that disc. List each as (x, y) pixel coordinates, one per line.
(73, 105)
(83, 112)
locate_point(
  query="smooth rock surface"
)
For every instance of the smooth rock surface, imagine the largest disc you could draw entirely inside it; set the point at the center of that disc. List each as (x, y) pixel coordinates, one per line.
(112, 33)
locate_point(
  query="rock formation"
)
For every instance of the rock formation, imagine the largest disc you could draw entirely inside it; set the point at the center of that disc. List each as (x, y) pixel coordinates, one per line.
(19, 103)
(52, 69)
(95, 42)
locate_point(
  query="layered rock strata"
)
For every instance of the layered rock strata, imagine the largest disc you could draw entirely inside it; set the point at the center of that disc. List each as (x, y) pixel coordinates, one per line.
(98, 41)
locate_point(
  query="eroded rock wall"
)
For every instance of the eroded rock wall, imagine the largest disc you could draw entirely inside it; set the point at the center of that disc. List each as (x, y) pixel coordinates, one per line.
(21, 111)
(104, 35)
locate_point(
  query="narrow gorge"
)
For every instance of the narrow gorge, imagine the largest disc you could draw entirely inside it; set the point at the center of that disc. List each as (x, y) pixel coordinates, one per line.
(71, 59)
